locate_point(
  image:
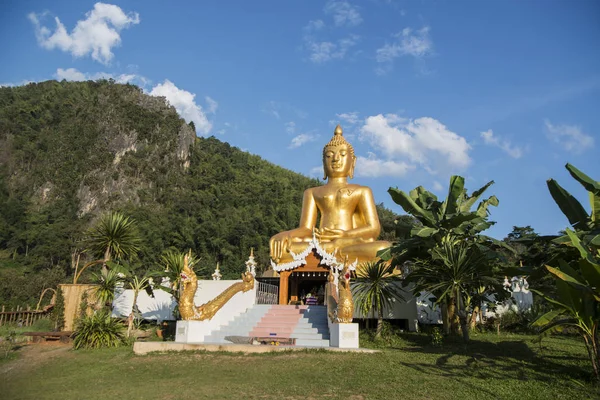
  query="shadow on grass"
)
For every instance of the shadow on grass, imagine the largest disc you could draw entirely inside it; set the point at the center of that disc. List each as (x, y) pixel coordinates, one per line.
(505, 359)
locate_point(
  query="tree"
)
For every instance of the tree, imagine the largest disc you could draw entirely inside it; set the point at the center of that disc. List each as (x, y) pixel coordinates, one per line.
(456, 273)
(576, 302)
(376, 286)
(107, 280)
(113, 236)
(441, 222)
(137, 284)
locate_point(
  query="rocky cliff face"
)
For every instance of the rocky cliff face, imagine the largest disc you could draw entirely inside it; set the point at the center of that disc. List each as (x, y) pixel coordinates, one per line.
(98, 141)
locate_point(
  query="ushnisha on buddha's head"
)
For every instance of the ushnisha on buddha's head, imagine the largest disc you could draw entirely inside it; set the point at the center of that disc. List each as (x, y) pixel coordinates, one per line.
(338, 157)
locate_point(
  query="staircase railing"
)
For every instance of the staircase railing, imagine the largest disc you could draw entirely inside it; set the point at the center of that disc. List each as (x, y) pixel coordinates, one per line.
(267, 293)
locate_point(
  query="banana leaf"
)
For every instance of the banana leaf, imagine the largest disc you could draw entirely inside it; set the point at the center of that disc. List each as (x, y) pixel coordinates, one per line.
(588, 183)
(466, 206)
(410, 206)
(569, 205)
(457, 185)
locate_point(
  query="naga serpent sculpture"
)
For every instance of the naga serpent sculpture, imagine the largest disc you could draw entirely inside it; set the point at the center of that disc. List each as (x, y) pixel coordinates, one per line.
(189, 285)
(340, 306)
(345, 307)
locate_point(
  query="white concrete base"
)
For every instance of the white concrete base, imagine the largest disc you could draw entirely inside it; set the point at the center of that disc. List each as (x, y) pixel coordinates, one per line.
(343, 335)
(151, 347)
(192, 331)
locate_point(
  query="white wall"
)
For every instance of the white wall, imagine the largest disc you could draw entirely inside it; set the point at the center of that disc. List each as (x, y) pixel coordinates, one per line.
(161, 307)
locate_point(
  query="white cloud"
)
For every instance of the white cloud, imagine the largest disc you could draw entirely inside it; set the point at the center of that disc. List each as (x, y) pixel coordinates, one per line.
(95, 35)
(13, 84)
(571, 137)
(424, 141)
(301, 139)
(417, 44)
(350, 118)
(273, 108)
(321, 52)
(490, 139)
(344, 13)
(373, 167)
(290, 127)
(314, 26)
(72, 74)
(185, 104)
(212, 105)
(438, 187)
(316, 171)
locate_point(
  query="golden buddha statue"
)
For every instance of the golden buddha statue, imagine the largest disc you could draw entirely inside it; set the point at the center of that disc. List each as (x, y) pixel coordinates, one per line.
(349, 225)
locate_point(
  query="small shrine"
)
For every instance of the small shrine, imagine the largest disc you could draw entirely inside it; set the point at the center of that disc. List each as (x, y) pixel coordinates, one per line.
(302, 280)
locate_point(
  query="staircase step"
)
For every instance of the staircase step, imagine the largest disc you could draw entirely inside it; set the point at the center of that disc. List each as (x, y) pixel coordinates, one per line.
(307, 324)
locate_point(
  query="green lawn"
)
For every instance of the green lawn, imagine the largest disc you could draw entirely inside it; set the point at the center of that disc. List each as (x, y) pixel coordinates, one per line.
(503, 367)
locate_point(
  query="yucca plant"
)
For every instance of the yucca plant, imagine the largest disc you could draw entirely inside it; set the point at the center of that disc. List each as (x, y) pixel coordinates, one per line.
(375, 288)
(98, 330)
(114, 236)
(106, 280)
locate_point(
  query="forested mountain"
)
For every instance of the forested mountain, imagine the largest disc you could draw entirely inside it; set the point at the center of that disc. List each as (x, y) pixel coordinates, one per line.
(70, 151)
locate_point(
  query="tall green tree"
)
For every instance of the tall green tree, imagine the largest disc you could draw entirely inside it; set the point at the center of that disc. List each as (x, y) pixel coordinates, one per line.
(376, 287)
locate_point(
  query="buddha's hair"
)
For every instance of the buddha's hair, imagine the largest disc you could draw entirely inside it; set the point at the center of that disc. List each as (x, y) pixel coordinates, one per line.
(338, 139)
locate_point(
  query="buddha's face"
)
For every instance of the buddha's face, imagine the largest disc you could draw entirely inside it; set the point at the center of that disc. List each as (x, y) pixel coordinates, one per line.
(338, 161)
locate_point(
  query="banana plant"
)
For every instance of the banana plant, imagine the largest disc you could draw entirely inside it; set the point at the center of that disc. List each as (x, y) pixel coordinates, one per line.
(583, 223)
(454, 216)
(577, 300)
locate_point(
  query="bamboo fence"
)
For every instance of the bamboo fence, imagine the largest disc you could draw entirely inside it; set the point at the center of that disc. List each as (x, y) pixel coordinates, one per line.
(23, 316)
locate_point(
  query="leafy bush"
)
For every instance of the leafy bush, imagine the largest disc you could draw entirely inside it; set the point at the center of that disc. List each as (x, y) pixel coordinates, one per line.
(436, 337)
(7, 344)
(58, 312)
(98, 330)
(520, 321)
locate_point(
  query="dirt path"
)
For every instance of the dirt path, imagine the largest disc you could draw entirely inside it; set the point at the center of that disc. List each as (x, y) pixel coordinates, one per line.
(31, 356)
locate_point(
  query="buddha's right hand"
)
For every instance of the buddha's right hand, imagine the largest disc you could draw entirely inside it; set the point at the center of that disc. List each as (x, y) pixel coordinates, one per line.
(278, 244)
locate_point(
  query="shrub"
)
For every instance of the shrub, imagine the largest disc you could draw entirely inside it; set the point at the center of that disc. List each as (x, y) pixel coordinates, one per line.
(437, 338)
(58, 312)
(98, 330)
(7, 344)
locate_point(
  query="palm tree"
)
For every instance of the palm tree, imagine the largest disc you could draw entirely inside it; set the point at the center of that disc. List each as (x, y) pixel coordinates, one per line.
(114, 236)
(375, 288)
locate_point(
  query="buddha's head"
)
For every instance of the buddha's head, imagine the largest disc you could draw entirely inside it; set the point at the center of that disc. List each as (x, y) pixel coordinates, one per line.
(338, 157)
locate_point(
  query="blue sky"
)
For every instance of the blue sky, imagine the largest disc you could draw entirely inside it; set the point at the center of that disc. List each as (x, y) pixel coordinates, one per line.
(497, 90)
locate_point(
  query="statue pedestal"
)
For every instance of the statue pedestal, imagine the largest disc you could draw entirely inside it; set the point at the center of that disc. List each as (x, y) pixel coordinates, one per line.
(191, 331)
(343, 335)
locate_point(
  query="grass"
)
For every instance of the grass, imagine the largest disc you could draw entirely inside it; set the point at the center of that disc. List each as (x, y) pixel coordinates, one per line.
(41, 325)
(490, 367)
